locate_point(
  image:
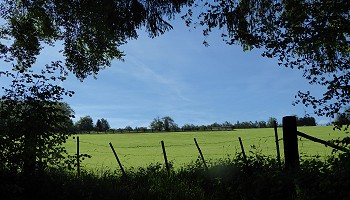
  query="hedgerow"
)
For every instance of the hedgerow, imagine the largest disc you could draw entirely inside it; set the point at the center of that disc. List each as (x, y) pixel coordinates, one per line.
(256, 177)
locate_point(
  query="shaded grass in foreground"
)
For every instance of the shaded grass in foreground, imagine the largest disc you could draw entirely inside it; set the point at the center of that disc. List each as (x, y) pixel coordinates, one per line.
(259, 178)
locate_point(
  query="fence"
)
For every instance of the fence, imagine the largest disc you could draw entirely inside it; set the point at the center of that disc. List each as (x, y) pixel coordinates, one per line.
(188, 150)
(290, 141)
(191, 150)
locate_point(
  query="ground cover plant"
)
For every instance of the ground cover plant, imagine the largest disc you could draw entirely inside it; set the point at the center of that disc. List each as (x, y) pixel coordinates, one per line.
(142, 149)
(257, 177)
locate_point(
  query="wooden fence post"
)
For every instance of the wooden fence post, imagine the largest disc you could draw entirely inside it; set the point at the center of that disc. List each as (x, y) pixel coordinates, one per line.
(290, 141)
(243, 152)
(116, 157)
(78, 157)
(277, 145)
(165, 157)
(201, 154)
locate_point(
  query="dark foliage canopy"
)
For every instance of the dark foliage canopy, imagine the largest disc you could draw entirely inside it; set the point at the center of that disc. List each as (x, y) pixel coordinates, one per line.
(309, 35)
(306, 121)
(90, 33)
(85, 124)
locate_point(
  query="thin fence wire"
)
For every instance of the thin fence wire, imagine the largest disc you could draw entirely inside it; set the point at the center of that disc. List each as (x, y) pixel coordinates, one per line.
(228, 148)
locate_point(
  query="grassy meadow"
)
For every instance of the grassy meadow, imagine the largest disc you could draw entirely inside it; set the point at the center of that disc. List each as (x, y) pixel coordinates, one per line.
(258, 177)
(141, 149)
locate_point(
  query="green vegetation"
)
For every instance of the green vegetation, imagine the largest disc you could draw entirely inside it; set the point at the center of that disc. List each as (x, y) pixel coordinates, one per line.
(298, 33)
(257, 178)
(141, 149)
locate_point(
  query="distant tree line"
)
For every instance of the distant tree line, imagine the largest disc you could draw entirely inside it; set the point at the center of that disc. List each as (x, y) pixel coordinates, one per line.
(167, 124)
(306, 121)
(86, 125)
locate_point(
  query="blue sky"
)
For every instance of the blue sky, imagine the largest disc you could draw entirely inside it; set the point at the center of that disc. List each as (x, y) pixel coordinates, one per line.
(176, 75)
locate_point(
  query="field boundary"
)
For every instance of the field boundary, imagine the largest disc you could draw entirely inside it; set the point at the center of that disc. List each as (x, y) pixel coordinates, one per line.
(181, 150)
(290, 141)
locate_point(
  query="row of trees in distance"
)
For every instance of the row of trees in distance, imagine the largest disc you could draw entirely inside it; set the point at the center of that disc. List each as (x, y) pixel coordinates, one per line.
(86, 124)
(167, 124)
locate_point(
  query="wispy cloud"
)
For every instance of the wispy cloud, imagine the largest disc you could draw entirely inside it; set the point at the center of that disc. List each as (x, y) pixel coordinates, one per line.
(139, 70)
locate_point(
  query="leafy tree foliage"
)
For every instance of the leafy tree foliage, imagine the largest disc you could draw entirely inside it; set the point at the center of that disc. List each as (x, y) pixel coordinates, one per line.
(309, 35)
(90, 32)
(342, 119)
(85, 124)
(141, 129)
(169, 124)
(165, 123)
(189, 127)
(98, 125)
(33, 124)
(271, 122)
(157, 124)
(128, 128)
(102, 125)
(306, 121)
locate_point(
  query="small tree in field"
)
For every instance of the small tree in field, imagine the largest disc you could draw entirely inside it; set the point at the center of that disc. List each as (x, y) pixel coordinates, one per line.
(128, 128)
(270, 123)
(306, 121)
(102, 125)
(157, 124)
(85, 124)
(169, 124)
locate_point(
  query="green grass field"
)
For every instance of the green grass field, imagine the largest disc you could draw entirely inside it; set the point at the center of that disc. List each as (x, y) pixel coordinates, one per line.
(141, 149)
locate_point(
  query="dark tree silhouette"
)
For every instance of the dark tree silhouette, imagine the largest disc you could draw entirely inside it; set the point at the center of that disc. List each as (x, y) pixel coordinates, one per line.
(90, 32)
(308, 35)
(85, 124)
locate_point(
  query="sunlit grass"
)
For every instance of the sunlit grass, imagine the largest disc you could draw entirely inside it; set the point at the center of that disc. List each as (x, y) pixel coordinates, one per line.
(141, 149)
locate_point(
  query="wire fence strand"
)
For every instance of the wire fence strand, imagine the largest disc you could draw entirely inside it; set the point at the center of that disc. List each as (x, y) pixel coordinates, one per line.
(177, 152)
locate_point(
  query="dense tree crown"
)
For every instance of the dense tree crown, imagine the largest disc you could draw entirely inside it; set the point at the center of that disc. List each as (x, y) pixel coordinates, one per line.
(309, 35)
(102, 125)
(85, 124)
(32, 133)
(306, 121)
(91, 31)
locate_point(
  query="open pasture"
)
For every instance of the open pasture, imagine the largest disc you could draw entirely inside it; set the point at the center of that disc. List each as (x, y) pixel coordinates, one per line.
(141, 149)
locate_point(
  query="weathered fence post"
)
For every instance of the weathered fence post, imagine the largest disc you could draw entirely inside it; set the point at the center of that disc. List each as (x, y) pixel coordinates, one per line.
(201, 154)
(165, 157)
(116, 157)
(78, 157)
(290, 141)
(277, 145)
(243, 152)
